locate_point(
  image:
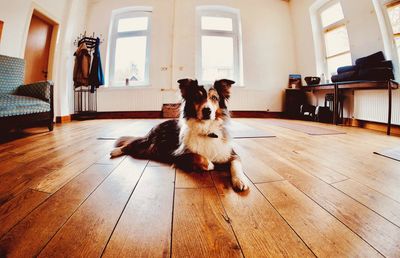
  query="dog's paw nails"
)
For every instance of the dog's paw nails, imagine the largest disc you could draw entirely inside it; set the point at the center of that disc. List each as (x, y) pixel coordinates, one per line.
(210, 166)
(239, 184)
(116, 153)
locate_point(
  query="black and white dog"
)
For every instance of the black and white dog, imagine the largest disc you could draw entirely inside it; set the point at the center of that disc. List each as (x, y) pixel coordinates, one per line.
(199, 140)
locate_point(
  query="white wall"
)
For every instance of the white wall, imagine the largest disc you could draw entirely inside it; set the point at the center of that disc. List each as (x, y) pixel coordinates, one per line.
(70, 15)
(268, 52)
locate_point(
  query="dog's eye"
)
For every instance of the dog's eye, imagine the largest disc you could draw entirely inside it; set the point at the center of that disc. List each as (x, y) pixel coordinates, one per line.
(215, 98)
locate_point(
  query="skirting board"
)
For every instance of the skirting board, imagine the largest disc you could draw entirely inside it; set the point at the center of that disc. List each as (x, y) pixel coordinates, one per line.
(158, 114)
(63, 119)
(372, 125)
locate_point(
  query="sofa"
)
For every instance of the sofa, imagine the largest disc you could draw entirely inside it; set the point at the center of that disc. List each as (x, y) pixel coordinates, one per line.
(22, 105)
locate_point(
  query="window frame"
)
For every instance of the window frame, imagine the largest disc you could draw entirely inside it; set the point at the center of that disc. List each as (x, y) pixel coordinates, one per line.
(331, 27)
(235, 34)
(115, 35)
(393, 36)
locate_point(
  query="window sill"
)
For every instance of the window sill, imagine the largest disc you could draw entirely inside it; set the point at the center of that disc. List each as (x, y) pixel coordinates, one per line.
(116, 88)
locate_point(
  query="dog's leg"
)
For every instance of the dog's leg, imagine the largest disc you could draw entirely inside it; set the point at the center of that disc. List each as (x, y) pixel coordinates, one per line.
(193, 162)
(237, 175)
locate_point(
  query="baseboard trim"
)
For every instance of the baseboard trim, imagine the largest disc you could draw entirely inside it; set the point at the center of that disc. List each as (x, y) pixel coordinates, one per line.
(63, 119)
(158, 114)
(128, 114)
(381, 127)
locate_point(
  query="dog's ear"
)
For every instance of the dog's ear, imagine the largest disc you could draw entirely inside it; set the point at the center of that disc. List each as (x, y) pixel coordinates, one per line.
(223, 88)
(187, 86)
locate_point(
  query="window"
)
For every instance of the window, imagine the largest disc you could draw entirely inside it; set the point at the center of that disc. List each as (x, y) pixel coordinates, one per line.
(129, 49)
(219, 45)
(335, 38)
(394, 17)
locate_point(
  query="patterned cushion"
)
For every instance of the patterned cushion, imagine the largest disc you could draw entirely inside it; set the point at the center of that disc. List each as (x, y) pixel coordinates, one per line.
(40, 90)
(13, 105)
(11, 73)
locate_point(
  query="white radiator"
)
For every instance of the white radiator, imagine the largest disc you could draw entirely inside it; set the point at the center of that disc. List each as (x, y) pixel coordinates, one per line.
(372, 105)
(120, 99)
(129, 100)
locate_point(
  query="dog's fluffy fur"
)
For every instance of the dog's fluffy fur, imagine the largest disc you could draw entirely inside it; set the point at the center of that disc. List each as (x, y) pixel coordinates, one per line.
(197, 141)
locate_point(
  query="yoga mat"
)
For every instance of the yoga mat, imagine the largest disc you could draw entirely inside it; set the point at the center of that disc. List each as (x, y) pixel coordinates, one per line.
(241, 131)
(236, 129)
(390, 153)
(308, 129)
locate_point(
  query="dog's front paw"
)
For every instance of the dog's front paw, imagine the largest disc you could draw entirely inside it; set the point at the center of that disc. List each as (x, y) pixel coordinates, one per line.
(239, 184)
(116, 153)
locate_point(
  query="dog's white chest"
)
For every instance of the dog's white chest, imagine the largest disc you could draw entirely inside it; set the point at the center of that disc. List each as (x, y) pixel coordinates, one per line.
(215, 149)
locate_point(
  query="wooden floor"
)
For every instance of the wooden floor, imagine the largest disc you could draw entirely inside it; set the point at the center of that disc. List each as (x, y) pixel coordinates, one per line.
(60, 195)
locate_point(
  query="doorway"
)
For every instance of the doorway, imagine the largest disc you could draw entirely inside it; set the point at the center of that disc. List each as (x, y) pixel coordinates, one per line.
(38, 49)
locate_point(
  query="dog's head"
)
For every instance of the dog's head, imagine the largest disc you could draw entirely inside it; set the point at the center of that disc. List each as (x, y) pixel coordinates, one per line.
(203, 104)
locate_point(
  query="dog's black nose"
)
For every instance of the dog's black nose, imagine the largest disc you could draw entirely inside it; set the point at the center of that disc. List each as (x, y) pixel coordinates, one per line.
(206, 113)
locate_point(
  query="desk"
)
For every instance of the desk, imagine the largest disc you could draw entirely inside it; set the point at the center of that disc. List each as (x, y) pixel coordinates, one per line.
(357, 85)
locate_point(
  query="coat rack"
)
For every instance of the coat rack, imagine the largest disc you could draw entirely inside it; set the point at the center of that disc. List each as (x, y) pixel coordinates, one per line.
(85, 103)
(89, 40)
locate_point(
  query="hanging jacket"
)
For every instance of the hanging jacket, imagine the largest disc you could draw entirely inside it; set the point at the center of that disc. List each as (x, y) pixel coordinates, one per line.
(96, 77)
(82, 66)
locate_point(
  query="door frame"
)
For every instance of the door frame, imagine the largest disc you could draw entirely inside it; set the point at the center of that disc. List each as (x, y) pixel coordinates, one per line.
(44, 15)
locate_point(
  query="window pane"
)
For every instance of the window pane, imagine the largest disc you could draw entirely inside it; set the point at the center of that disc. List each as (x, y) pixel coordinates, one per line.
(216, 23)
(217, 58)
(132, 24)
(394, 16)
(397, 41)
(331, 15)
(335, 62)
(130, 59)
(336, 41)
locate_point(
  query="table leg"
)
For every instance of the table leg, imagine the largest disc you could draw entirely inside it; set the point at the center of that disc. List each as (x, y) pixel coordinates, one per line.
(389, 123)
(335, 105)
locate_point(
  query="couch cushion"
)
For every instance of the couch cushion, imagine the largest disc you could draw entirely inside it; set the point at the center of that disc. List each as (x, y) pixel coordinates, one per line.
(14, 105)
(11, 74)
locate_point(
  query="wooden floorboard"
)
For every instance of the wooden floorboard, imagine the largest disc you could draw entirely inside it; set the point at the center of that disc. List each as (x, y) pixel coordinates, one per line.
(17, 208)
(318, 228)
(88, 230)
(374, 229)
(260, 229)
(328, 195)
(144, 229)
(32, 234)
(201, 228)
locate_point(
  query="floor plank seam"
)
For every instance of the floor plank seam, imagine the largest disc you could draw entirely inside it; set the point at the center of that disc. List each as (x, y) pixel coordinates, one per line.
(267, 182)
(376, 190)
(79, 173)
(123, 210)
(227, 218)
(366, 207)
(280, 215)
(40, 191)
(72, 213)
(194, 187)
(339, 220)
(2, 236)
(172, 217)
(338, 181)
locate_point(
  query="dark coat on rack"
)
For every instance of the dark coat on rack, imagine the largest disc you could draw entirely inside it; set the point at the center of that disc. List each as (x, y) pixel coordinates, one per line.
(96, 77)
(82, 66)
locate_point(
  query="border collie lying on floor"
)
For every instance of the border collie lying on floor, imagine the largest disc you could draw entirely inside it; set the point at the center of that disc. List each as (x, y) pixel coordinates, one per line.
(198, 140)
